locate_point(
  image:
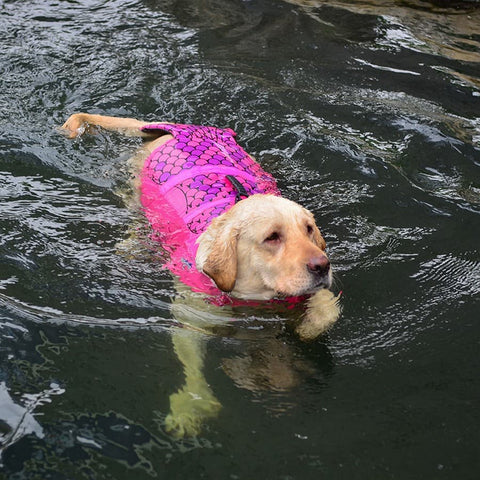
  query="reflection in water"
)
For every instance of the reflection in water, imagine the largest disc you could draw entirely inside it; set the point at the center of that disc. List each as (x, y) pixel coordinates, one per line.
(416, 24)
(17, 418)
(268, 364)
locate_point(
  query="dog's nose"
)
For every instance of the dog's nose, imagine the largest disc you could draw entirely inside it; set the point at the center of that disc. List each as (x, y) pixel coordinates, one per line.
(319, 265)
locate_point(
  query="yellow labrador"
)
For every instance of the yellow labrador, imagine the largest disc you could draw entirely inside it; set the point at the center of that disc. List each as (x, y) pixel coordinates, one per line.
(227, 229)
(261, 247)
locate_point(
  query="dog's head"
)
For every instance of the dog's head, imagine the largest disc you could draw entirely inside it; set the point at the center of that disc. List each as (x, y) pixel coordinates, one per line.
(265, 246)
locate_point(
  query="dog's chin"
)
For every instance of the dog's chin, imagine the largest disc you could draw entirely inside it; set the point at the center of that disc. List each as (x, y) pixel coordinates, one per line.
(325, 283)
(316, 288)
(311, 289)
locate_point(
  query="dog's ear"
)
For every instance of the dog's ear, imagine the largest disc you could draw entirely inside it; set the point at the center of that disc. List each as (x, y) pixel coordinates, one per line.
(217, 253)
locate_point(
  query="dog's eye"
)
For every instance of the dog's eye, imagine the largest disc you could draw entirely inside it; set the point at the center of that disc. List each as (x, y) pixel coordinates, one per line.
(309, 229)
(273, 237)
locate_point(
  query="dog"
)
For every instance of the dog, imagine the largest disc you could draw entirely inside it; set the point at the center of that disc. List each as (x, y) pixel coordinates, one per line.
(229, 234)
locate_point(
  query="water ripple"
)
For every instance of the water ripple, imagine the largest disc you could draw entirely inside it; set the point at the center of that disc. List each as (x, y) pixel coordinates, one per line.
(447, 277)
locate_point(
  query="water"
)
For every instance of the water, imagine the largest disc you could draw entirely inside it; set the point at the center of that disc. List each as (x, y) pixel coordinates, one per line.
(368, 114)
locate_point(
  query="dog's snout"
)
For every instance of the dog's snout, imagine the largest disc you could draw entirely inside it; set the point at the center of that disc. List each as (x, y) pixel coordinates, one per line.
(319, 265)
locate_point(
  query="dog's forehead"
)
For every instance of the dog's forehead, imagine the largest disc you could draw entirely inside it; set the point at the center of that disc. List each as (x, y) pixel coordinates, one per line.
(292, 212)
(269, 206)
(271, 214)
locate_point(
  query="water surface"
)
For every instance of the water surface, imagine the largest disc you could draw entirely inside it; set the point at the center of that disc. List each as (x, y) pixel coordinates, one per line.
(368, 114)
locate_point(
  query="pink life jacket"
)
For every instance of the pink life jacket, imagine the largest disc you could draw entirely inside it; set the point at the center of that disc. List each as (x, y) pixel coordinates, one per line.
(192, 178)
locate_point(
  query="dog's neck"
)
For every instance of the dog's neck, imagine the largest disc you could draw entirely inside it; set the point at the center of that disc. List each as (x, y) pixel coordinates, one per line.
(252, 289)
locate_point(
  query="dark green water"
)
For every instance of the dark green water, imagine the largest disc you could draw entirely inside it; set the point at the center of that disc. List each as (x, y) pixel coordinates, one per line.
(367, 115)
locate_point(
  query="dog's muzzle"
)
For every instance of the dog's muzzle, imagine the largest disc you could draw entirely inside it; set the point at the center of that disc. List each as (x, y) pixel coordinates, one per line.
(320, 269)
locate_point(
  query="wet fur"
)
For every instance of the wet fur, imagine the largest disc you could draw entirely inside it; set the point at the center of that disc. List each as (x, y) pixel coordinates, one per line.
(233, 252)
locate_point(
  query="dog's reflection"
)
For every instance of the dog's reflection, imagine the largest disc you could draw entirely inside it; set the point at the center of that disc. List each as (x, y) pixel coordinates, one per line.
(272, 366)
(268, 362)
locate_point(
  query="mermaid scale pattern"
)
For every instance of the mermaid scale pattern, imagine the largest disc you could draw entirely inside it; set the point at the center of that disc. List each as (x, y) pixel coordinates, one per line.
(195, 163)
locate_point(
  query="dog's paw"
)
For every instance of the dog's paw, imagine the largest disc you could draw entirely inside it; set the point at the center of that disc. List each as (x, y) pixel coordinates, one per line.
(75, 126)
(182, 425)
(322, 312)
(188, 411)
